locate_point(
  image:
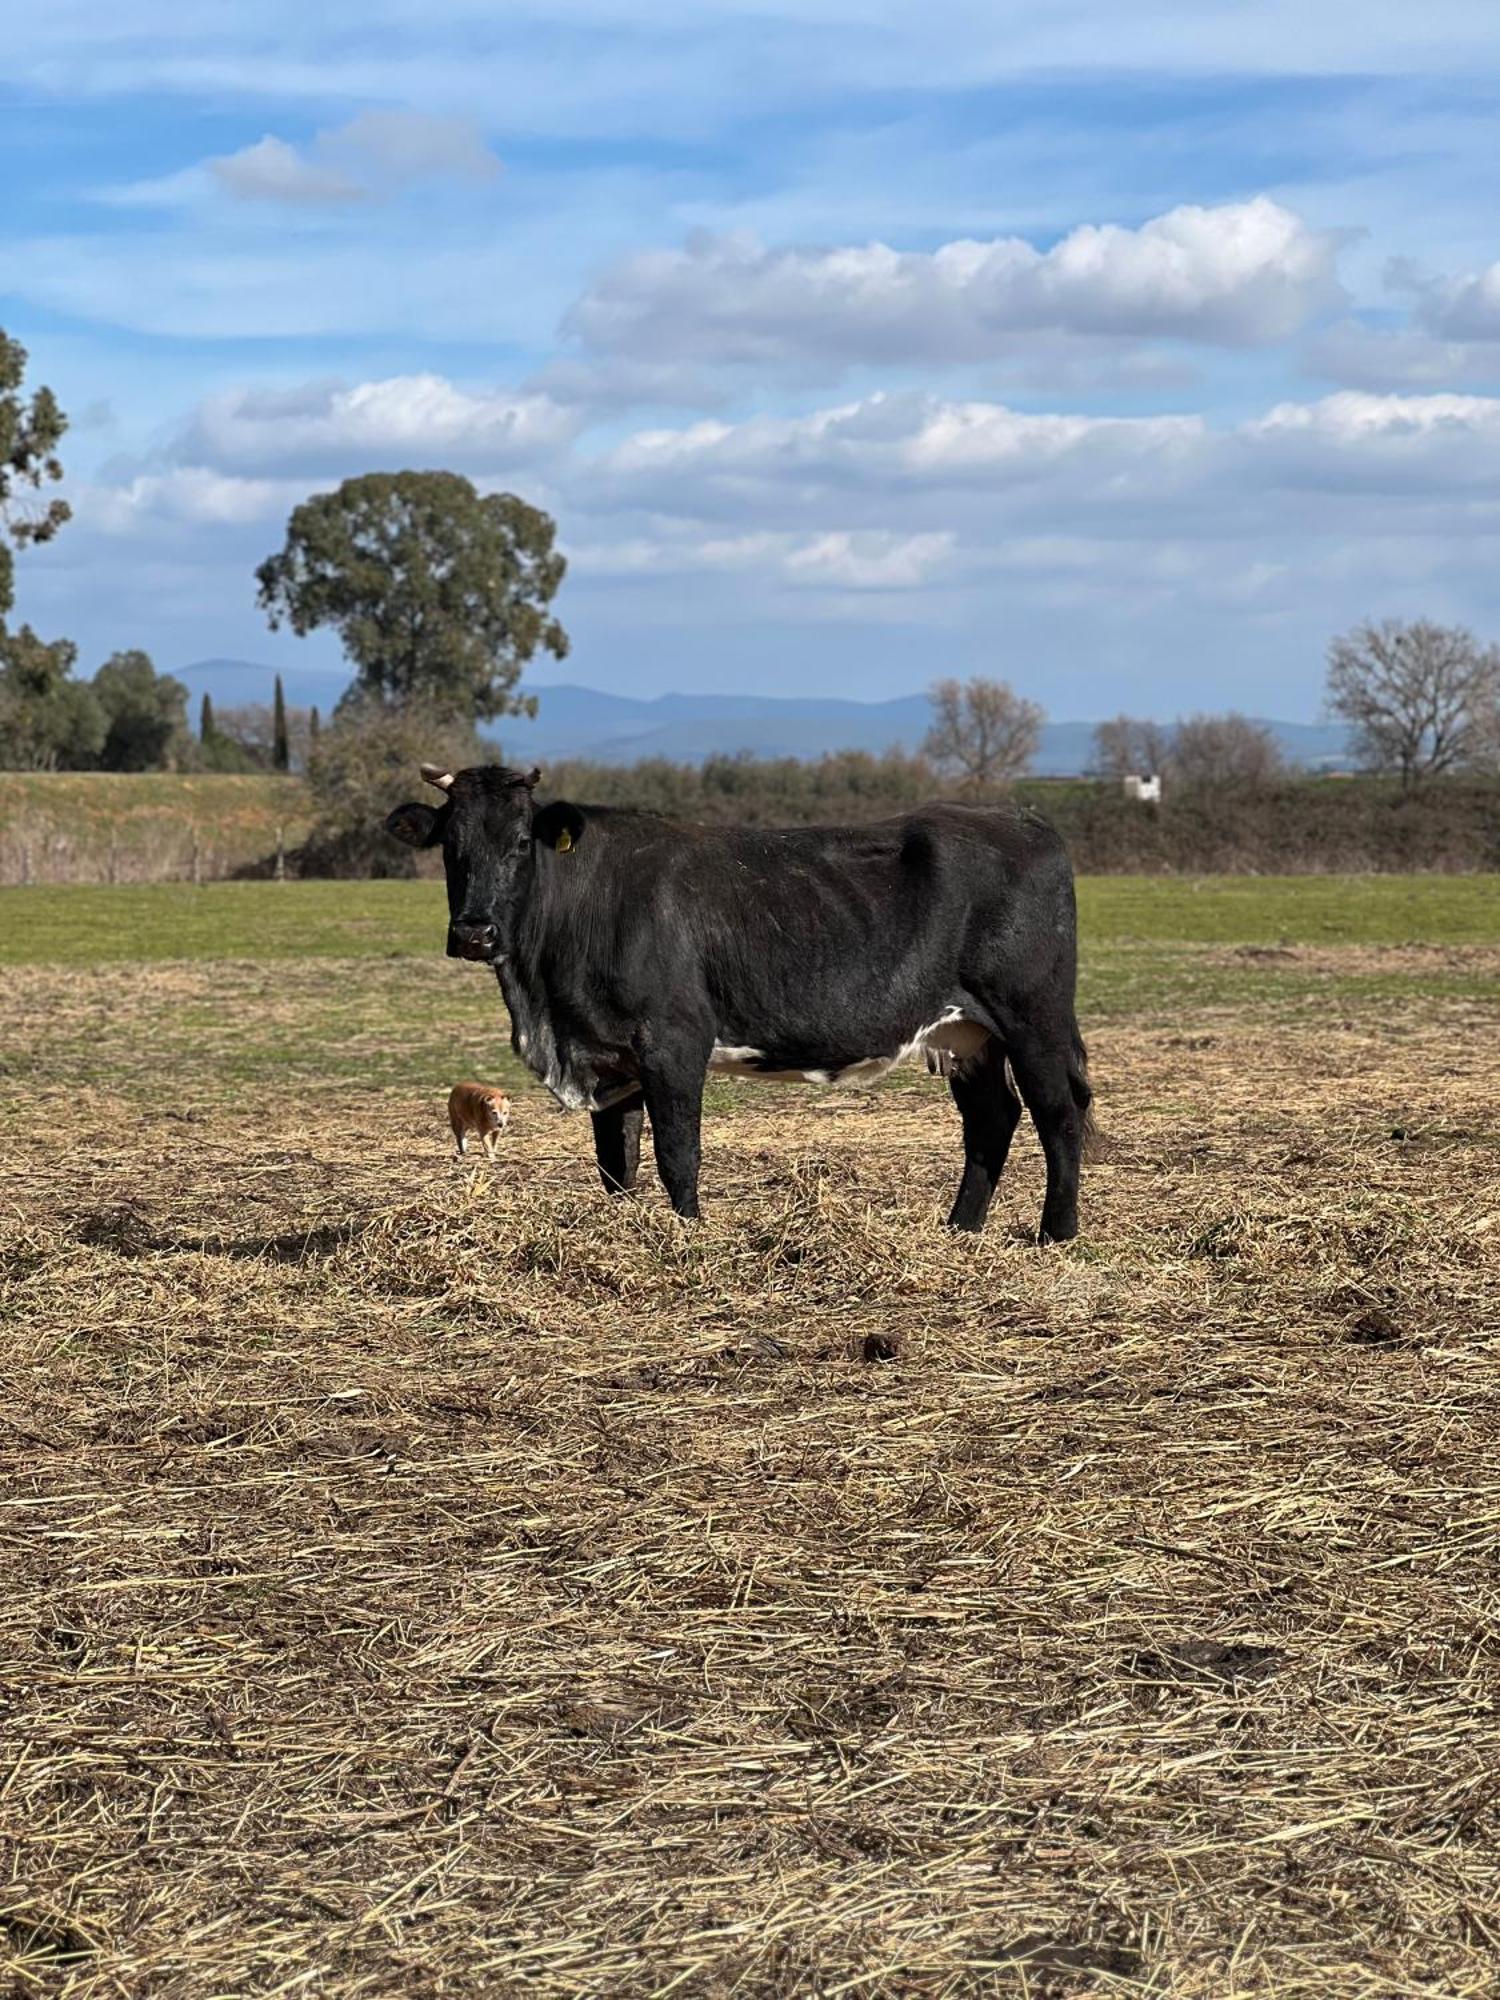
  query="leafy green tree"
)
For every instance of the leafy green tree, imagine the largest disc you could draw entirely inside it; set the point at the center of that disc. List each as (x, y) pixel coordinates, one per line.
(48, 721)
(440, 595)
(225, 754)
(145, 714)
(281, 748)
(30, 433)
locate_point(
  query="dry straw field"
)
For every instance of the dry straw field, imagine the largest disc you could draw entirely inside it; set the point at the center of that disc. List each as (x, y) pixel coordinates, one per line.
(429, 1579)
(143, 826)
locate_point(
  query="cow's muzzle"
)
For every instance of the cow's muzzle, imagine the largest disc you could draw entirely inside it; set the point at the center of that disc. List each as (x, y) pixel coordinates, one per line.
(479, 941)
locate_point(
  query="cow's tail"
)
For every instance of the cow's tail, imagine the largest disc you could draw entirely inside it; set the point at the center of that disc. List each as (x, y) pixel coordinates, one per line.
(1083, 1094)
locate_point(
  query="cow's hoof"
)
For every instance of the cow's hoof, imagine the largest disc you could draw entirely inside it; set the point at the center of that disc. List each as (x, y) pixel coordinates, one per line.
(968, 1220)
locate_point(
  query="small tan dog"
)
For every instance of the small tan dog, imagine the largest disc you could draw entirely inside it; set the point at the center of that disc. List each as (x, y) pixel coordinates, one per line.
(475, 1108)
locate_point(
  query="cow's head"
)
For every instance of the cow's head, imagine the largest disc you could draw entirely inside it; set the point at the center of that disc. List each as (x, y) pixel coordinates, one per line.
(484, 827)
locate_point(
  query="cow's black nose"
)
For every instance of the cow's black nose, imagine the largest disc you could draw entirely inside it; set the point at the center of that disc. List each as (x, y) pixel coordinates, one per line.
(475, 940)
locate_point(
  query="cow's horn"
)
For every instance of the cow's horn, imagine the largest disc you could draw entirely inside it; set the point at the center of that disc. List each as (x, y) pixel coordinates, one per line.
(436, 775)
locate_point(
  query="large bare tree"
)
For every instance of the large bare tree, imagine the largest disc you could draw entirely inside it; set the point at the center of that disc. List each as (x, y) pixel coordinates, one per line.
(1223, 750)
(1130, 746)
(1420, 699)
(982, 730)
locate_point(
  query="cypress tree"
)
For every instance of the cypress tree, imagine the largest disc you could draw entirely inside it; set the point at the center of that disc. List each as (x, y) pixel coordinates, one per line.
(206, 719)
(281, 751)
(313, 726)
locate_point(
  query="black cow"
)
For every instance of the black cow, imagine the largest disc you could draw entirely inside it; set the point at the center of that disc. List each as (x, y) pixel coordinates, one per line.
(637, 954)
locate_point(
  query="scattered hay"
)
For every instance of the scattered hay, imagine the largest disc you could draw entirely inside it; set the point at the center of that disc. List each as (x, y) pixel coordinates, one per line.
(431, 1580)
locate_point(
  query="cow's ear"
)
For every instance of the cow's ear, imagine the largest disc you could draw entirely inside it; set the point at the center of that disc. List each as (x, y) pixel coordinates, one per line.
(559, 827)
(416, 824)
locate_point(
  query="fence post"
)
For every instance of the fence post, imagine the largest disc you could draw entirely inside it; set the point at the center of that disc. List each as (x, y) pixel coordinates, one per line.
(197, 865)
(278, 872)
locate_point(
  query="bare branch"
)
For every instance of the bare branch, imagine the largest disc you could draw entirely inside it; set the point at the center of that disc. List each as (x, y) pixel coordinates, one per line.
(1420, 699)
(1224, 750)
(982, 730)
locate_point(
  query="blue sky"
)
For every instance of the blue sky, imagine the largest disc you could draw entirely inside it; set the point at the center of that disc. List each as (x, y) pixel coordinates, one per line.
(1127, 352)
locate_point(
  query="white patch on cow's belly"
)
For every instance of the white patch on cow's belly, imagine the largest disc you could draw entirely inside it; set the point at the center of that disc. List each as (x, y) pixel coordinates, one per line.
(737, 1059)
(952, 1039)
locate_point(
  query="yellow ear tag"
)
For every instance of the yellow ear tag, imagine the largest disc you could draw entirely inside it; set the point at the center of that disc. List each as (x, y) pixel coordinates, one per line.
(564, 841)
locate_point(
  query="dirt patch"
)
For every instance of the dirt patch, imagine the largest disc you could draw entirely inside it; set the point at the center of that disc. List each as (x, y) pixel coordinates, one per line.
(1359, 961)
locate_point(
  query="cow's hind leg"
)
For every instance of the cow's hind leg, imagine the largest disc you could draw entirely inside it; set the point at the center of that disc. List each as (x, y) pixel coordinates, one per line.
(617, 1143)
(1050, 1070)
(990, 1111)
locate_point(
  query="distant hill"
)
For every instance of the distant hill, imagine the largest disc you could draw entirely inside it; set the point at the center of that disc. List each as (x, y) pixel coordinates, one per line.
(616, 729)
(604, 728)
(232, 683)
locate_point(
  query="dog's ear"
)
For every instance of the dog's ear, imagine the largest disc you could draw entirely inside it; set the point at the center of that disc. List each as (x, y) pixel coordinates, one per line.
(415, 823)
(558, 826)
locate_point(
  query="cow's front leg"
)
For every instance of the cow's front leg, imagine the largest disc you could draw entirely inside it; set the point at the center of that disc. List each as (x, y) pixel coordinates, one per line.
(672, 1080)
(617, 1143)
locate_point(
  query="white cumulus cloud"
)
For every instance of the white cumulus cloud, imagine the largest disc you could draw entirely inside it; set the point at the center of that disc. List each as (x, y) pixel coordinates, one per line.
(1355, 417)
(1240, 274)
(184, 496)
(1382, 444)
(887, 446)
(332, 427)
(861, 455)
